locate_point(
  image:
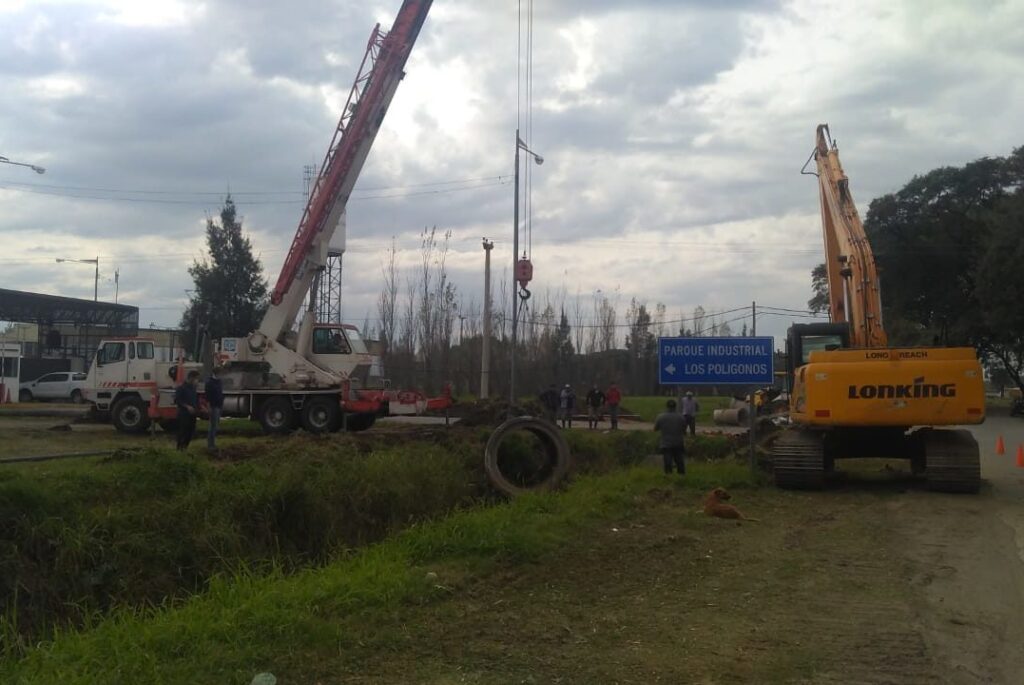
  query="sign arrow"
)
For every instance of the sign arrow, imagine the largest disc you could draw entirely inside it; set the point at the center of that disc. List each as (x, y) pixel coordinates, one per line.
(671, 368)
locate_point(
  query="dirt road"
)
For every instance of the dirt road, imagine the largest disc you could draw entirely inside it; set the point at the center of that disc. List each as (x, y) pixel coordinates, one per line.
(966, 559)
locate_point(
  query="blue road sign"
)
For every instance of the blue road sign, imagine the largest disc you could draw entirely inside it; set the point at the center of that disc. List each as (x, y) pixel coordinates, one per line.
(716, 361)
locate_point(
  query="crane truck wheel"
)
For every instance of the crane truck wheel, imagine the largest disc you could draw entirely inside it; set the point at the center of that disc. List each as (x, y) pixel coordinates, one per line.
(357, 423)
(276, 416)
(321, 415)
(130, 415)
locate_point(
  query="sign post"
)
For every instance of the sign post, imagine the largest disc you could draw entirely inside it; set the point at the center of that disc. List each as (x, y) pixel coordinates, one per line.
(747, 361)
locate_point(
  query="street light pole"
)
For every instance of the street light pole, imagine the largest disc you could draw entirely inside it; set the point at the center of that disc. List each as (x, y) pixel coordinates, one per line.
(485, 351)
(96, 278)
(515, 284)
(33, 167)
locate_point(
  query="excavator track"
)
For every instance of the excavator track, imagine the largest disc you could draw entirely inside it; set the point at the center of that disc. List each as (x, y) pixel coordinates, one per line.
(798, 460)
(952, 462)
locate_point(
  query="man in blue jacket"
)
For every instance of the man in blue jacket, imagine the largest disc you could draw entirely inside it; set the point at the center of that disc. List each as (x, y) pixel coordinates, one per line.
(214, 398)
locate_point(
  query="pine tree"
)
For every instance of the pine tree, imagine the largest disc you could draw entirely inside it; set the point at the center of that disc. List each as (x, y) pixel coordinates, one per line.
(230, 294)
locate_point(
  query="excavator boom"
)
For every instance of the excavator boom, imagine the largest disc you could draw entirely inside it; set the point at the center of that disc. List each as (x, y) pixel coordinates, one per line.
(854, 292)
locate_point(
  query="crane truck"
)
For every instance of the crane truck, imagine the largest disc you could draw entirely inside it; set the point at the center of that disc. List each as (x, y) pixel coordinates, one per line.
(315, 376)
(854, 396)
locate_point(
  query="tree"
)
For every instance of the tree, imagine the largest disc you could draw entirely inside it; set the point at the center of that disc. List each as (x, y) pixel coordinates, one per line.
(699, 323)
(928, 238)
(230, 294)
(819, 285)
(563, 349)
(388, 299)
(948, 248)
(999, 286)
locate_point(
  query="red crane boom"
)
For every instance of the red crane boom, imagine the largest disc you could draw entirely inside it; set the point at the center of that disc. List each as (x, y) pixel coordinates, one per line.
(379, 73)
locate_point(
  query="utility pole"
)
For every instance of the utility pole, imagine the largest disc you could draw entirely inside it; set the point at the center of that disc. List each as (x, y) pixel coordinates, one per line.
(753, 318)
(515, 285)
(485, 354)
(96, 282)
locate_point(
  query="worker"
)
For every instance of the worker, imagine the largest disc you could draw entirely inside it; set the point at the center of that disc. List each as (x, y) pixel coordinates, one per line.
(186, 398)
(566, 404)
(690, 408)
(613, 398)
(595, 400)
(215, 399)
(672, 427)
(549, 402)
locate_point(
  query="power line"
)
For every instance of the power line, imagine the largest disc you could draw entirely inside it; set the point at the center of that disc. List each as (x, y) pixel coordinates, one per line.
(498, 181)
(139, 191)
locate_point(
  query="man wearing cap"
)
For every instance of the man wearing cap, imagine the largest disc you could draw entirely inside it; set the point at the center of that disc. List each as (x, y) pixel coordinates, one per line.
(690, 409)
(672, 427)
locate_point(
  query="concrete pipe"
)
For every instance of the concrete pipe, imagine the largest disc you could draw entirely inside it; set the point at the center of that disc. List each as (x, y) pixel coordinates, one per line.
(556, 453)
(731, 417)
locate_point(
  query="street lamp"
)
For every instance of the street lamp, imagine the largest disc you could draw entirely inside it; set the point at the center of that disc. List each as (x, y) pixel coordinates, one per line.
(96, 282)
(33, 167)
(520, 145)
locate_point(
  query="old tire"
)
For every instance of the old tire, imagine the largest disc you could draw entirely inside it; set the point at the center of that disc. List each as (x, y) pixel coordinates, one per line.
(276, 416)
(357, 423)
(130, 415)
(550, 437)
(321, 415)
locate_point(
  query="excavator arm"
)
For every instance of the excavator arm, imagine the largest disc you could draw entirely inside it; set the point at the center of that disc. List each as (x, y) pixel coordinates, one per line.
(854, 292)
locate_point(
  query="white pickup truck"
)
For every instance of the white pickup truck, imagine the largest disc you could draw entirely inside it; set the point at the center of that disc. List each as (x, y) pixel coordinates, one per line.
(68, 386)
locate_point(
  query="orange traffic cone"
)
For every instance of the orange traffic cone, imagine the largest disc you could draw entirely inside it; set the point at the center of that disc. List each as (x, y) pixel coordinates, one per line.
(1020, 456)
(1000, 447)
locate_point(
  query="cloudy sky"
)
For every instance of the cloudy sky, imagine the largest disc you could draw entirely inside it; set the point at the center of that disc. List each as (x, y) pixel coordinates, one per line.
(673, 133)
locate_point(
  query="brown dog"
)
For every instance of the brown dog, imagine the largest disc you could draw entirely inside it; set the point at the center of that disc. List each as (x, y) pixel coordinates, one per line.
(714, 505)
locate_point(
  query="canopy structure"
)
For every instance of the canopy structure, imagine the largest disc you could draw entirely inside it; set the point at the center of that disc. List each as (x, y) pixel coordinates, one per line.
(67, 326)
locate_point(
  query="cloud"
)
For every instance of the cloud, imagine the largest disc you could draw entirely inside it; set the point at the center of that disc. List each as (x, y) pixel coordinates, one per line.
(673, 134)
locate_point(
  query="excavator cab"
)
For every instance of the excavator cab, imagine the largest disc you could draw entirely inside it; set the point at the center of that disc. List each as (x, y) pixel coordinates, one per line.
(804, 338)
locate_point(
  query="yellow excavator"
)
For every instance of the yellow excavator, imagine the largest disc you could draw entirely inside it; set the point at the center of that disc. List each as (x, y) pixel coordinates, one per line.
(854, 396)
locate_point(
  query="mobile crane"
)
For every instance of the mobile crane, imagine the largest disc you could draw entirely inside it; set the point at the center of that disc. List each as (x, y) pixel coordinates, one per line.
(852, 395)
(277, 376)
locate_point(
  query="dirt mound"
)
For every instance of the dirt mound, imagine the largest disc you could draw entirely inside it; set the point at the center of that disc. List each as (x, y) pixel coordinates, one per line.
(492, 411)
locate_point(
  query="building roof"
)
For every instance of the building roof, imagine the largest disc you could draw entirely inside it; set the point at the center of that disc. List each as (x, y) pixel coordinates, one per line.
(25, 307)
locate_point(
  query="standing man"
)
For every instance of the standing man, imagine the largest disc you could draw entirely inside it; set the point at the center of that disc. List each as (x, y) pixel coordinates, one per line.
(690, 408)
(672, 427)
(567, 403)
(187, 400)
(549, 401)
(214, 398)
(613, 398)
(595, 400)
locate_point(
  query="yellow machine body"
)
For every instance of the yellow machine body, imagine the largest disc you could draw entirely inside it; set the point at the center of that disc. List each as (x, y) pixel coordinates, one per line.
(896, 387)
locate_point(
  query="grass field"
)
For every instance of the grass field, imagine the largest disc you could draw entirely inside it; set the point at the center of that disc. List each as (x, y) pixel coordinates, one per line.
(309, 626)
(145, 524)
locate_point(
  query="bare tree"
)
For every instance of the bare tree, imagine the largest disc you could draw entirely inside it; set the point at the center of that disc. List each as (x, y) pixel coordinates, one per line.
(388, 300)
(607, 322)
(699, 316)
(578, 331)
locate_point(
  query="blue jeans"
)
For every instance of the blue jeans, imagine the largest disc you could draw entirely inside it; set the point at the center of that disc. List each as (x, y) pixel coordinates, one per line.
(211, 435)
